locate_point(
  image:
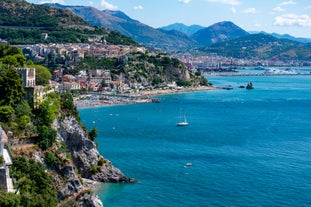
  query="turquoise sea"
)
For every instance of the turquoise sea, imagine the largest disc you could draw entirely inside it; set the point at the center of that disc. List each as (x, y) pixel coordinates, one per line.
(247, 147)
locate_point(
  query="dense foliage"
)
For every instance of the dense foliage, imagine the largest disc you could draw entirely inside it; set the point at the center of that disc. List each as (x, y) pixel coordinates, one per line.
(35, 185)
(16, 114)
(11, 88)
(47, 137)
(16, 35)
(67, 106)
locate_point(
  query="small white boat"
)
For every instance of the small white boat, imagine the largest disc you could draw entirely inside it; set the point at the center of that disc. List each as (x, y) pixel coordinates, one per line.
(182, 122)
(188, 164)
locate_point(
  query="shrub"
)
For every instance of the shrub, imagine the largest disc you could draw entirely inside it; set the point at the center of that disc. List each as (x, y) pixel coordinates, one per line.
(6, 113)
(47, 137)
(95, 169)
(93, 134)
(50, 159)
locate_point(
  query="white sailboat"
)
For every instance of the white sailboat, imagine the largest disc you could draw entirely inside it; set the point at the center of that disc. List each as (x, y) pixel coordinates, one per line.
(183, 122)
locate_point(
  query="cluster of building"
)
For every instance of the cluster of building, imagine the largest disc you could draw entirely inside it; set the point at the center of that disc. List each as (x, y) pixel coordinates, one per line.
(69, 55)
(218, 61)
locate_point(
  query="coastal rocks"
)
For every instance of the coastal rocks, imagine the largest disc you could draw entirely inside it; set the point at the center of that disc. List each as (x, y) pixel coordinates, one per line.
(89, 200)
(69, 184)
(249, 86)
(89, 162)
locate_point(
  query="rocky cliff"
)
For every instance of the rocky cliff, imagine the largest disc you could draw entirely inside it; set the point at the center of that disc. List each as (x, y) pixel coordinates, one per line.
(86, 158)
(74, 178)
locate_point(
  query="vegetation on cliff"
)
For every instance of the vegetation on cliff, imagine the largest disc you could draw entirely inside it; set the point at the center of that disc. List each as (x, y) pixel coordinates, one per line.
(17, 115)
(34, 184)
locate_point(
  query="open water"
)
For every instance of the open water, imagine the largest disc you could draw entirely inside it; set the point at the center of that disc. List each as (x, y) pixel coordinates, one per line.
(247, 147)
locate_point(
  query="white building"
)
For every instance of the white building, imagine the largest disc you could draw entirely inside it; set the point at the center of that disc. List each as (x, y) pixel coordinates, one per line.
(5, 180)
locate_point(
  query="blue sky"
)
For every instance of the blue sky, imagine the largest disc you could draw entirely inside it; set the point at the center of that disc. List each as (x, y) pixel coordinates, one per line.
(281, 16)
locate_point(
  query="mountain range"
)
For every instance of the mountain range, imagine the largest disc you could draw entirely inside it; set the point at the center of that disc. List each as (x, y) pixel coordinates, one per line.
(169, 38)
(173, 38)
(141, 33)
(262, 46)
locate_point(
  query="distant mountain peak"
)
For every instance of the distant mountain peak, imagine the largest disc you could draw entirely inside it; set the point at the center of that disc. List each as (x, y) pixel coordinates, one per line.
(189, 30)
(219, 32)
(119, 14)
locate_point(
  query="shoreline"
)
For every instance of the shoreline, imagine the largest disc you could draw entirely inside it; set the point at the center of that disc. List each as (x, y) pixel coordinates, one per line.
(176, 91)
(144, 97)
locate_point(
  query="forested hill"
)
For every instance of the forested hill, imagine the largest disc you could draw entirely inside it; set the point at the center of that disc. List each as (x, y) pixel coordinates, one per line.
(261, 46)
(22, 13)
(23, 23)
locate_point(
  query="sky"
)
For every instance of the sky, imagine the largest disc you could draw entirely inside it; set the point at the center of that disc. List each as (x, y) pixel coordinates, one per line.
(279, 16)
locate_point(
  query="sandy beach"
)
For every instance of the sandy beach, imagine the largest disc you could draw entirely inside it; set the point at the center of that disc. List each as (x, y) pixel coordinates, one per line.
(172, 91)
(144, 97)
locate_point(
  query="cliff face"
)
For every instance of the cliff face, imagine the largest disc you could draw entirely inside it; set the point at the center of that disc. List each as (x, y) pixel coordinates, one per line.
(89, 162)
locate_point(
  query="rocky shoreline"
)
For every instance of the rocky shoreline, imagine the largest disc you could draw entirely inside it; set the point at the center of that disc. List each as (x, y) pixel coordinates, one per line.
(88, 168)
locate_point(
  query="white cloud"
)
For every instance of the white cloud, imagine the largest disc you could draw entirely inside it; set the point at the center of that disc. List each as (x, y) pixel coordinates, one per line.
(257, 25)
(230, 2)
(233, 10)
(278, 9)
(308, 7)
(293, 20)
(91, 3)
(290, 2)
(52, 1)
(250, 11)
(107, 5)
(184, 1)
(139, 7)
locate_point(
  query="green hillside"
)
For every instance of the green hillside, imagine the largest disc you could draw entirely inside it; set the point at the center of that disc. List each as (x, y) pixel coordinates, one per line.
(21, 13)
(24, 23)
(261, 46)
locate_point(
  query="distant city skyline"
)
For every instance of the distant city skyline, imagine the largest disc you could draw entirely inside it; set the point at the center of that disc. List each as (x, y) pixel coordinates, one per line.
(291, 17)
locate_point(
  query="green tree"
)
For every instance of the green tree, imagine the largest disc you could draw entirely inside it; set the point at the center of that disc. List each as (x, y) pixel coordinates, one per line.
(9, 200)
(93, 134)
(47, 137)
(6, 113)
(23, 109)
(11, 88)
(48, 110)
(23, 121)
(17, 60)
(50, 158)
(67, 105)
(43, 75)
(35, 185)
(11, 56)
